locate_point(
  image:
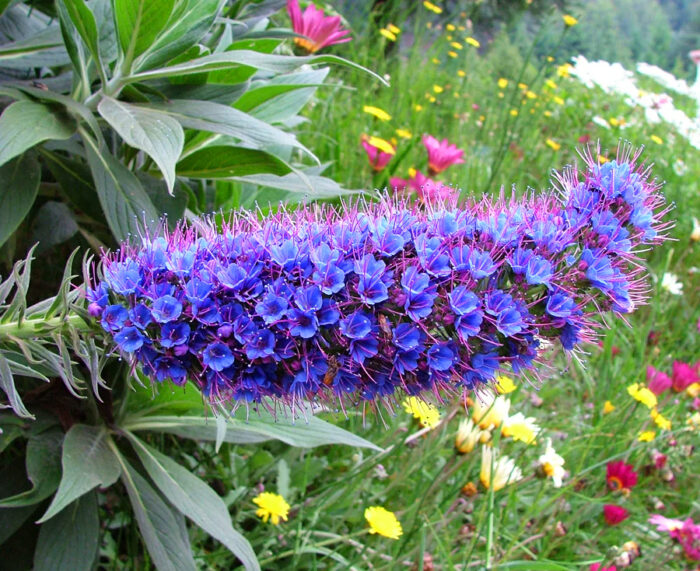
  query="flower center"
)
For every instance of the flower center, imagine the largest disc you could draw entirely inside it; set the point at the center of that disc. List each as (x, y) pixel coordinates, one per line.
(614, 483)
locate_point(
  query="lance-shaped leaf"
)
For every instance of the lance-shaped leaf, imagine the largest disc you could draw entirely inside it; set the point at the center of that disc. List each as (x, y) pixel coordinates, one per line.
(225, 120)
(162, 527)
(227, 162)
(195, 500)
(84, 21)
(70, 540)
(231, 59)
(125, 203)
(43, 469)
(19, 185)
(155, 133)
(27, 123)
(87, 462)
(139, 22)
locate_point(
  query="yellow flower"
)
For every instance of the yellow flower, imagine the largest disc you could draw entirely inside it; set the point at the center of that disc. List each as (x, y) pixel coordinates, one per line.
(504, 470)
(614, 121)
(377, 112)
(661, 421)
(489, 411)
(272, 506)
(552, 464)
(383, 522)
(472, 41)
(502, 83)
(547, 113)
(393, 29)
(388, 34)
(418, 107)
(602, 160)
(693, 390)
(469, 435)
(452, 54)
(427, 414)
(456, 45)
(553, 144)
(564, 70)
(412, 172)
(608, 407)
(432, 7)
(461, 73)
(658, 140)
(530, 94)
(646, 436)
(514, 112)
(450, 27)
(642, 394)
(505, 385)
(522, 428)
(438, 88)
(558, 100)
(435, 60)
(569, 20)
(522, 85)
(404, 133)
(549, 83)
(382, 145)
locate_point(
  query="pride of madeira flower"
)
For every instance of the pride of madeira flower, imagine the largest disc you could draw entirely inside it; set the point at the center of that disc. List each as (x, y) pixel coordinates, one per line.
(359, 302)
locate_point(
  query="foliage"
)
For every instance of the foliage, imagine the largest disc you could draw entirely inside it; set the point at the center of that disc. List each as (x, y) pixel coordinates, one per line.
(126, 111)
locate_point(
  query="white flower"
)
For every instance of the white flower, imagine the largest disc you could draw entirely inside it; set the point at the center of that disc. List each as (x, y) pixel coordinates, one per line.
(671, 284)
(489, 411)
(469, 435)
(679, 167)
(552, 464)
(504, 470)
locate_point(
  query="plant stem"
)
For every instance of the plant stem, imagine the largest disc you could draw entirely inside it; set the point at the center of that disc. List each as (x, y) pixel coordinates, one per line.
(38, 327)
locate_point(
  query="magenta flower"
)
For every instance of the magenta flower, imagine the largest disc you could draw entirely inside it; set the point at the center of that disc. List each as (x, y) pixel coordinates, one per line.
(441, 154)
(398, 184)
(687, 533)
(429, 190)
(683, 376)
(657, 381)
(600, 567)
(319, 30)
(614, 514)
(378, 152)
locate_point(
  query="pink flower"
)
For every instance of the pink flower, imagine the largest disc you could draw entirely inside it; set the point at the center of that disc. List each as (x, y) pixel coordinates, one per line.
(658, 458)
(687, 533)
(683, 376)
(429, 190)
(441, 154)
(614, 514)
(599, 567)
(657, 381)
(398, 184)
(378, 152)
(620, 476)
(665, 524)
(320, 30)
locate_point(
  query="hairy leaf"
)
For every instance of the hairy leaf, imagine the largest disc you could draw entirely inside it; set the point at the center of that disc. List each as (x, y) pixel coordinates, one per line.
(24, 124)
(87, 462)
(70, 540)
(19, 185)
(195, 500)
(155, 133)
(162, 527)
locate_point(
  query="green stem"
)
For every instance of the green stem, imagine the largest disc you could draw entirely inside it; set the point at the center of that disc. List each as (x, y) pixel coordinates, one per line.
(29, 328)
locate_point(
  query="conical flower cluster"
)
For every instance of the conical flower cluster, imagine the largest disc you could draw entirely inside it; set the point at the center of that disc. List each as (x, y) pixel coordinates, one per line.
(370, 299)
